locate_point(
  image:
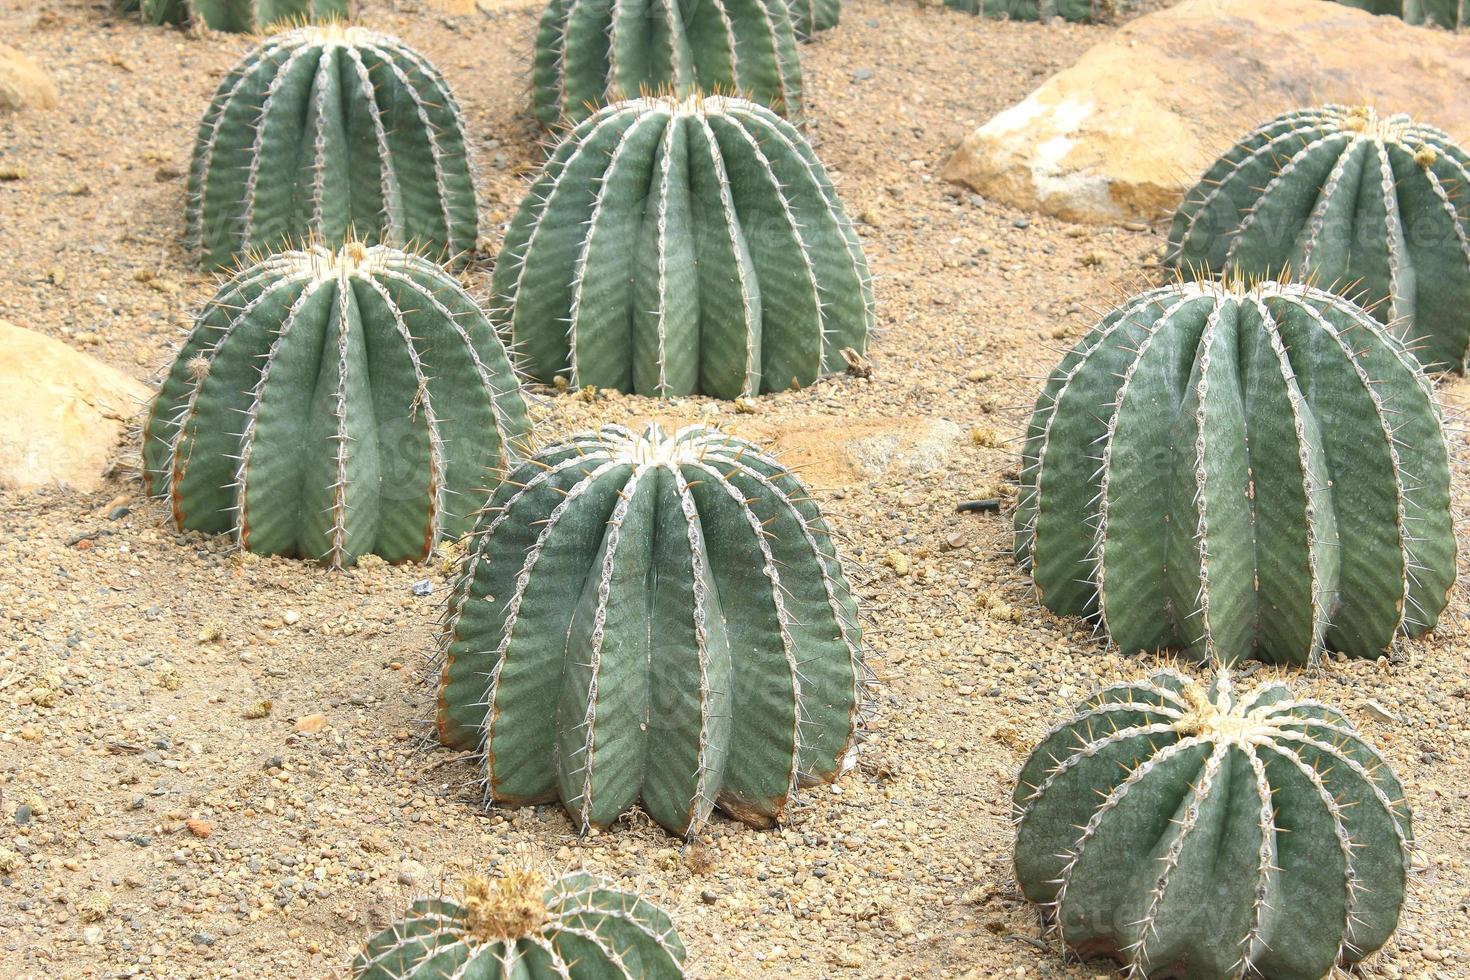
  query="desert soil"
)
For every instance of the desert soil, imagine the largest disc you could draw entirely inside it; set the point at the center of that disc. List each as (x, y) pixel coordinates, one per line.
(132, 658)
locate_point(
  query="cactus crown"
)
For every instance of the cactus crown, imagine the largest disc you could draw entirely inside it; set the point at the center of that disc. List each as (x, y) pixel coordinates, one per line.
(1162, 804)
(335, 402)
(1197, 464)
(522, 928)
(1374, 206)
(676, 246)
(331, 132)
(707, 651)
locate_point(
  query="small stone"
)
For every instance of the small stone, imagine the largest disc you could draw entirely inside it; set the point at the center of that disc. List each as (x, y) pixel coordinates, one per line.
(200, 828)
(862, 75)
(92, 935)
(311, 724)
(291, 617)
(1376, 711)
(203, 939)
(708, 898)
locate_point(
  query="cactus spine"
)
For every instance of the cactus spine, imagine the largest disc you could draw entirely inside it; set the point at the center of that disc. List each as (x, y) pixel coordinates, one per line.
(331, 133)
(327, 405)
(672, 247)
(1453, 14)
(655, 619)
(1345, 198)
(1076, 10)
(520, 928)
(241, 16)
(590, 53)
(1241, 473)
(1212, 835)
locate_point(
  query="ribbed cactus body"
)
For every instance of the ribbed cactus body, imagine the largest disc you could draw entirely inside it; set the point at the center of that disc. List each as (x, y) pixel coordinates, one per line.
(1077, 10)
(811, 16)
(590, 53)
(1203, 833)
(653, 619)
(331, 133)
(242, 16)
(674, 247)
(1453, 14)
(511, 929)
(327, 405)
(1242, 473)
(1376, 207)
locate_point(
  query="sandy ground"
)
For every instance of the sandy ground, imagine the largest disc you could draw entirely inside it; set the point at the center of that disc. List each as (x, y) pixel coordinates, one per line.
(130, 656)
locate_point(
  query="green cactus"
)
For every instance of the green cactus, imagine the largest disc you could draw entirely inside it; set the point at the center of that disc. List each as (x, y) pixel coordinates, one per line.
(810, 17)
(590, 53)
(655, 619)
(673, 247)
(241, 16)
(1376, 207)
(328, 405)
(1210, 835)
(520, 928)
(1453, 14)
(333, 133)
(1242, 473)
(1078, 10)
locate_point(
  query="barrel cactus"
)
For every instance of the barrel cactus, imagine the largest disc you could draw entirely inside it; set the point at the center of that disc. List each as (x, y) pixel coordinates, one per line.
(1378, 207)
(1242, 473)
(590, 53)
(331, 404)
(332, 132)
(812, 16)
(1077, 10)
(1453, 14)
(241, 16)
(656, 619)
(1210, 834)
(519, 927)
(684, 246)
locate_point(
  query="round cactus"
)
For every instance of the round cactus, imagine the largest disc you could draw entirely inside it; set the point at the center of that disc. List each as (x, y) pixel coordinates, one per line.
(674, 247)
(520, 928)
(331, 133)
(1242, 473)
(1376, 207)
(243, 16)
(1201, 833)
(812, 16)
(1453, 14)
(652, 619)
(590, 53)
(328, 405)
(1077, 10)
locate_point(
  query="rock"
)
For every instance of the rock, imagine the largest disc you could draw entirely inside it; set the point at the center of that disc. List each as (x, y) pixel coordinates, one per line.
(311, 724)
(23, 85)
(61, 412)
(200, 828)
(1124, 133)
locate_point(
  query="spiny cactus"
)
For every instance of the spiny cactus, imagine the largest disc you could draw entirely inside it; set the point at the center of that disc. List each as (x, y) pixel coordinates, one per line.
(335, 133)
(812, 16)
(655, 619)
(1378, 207)
(242, 16)
(1212, 835)
(328, 405)
(1453, 14)
(673, 247)
(1240, 472)
(1078, 10)
(590, 53)
(521, 928)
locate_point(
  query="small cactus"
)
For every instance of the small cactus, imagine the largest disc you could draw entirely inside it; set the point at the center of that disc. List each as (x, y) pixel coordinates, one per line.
(1202, 833)
(672, 247)
(590, 53)
(1077, 10)
(521, 928)
(241, 16)
(1242, 473)
(655, 619)
(1378, 207)
(1453, 14)
(328, 405)
(331, 133)
(810, 17)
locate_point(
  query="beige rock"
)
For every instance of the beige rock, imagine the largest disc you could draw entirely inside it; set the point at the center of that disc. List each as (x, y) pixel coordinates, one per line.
(61, 411)
(23, 85)
(1126, 131)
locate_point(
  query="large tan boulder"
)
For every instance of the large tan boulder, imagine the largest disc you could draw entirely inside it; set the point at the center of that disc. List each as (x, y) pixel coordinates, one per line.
(23, 85)
(62, 412)
(1122, 134)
